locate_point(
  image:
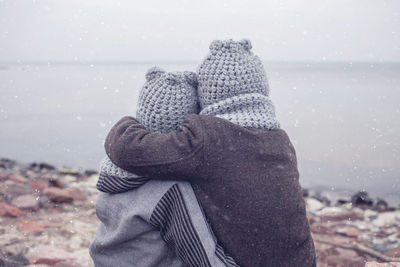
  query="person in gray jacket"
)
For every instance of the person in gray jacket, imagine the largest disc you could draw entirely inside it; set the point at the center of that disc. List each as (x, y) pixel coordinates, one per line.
(151, 223)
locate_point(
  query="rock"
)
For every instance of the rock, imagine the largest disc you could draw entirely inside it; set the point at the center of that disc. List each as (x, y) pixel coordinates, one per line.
(318, 196)
(370, 214)
(348, 231)
(381, 205)
(340, 216)
(394, 238)
(39, 185)
(330, 210)
(68, 171)
(379, 244)
(90, 182)
(7, 209)
(17, 178)
(90, 172)
(56, 183)
(347, 206)
(13, 177)
(58, 195)
(322, 229)
(341, 239)
(382, 264)
(46, 254)
(41, 166)
(361, 225)
(395, 252)
(7, 163)
(30, 226)
(322, 251)
(387, 218)
(10, 190)
(343, 202)
(28, 202)
(3, 176)
(344, 257)
(313, 205)
(46, 166)
(14, 261)
(76, 194)
(70, 178)
(361, 198)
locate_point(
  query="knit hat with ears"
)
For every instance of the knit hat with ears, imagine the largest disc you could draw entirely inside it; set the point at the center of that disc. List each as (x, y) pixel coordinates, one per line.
(166, 99)
(233, 86)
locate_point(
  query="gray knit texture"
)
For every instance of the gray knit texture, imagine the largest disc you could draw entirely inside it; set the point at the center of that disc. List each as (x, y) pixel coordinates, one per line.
(165, 100)
(232, 84)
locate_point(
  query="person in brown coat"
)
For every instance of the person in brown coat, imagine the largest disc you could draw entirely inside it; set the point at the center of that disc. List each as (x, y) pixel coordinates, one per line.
(242, 166)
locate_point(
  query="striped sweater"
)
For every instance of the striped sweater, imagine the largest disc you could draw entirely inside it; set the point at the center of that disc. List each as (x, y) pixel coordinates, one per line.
(168, 212)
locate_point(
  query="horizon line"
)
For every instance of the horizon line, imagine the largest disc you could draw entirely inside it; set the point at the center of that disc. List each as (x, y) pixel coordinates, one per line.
(121, 62)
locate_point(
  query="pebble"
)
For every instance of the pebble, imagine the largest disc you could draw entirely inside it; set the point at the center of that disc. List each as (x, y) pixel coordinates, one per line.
(345, 257)
(46, 254)
(313, 205)
(362, 198)
(348, 231)
(58, 231)
(330, 210)
(28, 202)
(382, 264)
(395, 252)
(17, 178)
(58, 195)
(387, 218)
(340, 216)
(30, 226)
(39, 185)
(370, 214)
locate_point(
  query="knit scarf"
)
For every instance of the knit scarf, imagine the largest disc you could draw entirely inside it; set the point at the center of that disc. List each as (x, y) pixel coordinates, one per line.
(252, 110)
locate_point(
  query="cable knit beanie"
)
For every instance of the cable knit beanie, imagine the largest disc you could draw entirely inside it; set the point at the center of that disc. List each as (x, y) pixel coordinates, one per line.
(233, 85)
(166, 99)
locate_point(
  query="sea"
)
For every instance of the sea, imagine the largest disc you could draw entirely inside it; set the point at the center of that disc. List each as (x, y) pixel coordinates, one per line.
(343, 118)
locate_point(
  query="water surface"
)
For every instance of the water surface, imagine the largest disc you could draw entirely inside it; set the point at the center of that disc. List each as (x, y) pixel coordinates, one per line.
(342, 118)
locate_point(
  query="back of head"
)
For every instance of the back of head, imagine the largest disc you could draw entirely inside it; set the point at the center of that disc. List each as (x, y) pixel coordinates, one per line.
(166, 99)
(230, 69)
(233, 85)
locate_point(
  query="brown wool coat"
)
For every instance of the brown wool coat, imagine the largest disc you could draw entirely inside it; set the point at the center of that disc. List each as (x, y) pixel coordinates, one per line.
(245, 179)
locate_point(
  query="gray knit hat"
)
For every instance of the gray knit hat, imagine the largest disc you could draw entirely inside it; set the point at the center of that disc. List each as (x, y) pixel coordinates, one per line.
(233, 85)
(166, 99)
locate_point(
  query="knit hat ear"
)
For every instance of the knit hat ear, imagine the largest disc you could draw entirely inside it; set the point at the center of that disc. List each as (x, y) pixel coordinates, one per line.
(215, 45)
(154, 72)
(191, 78)
(246, 44)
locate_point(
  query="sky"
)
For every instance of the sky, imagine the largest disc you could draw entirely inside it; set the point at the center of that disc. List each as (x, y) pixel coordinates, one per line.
(143, 31)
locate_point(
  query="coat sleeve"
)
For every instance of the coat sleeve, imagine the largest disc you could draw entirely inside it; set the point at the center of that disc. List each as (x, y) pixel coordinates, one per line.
(174, 155)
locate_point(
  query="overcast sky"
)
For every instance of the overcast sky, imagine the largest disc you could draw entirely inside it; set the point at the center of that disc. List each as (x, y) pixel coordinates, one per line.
(104, 30)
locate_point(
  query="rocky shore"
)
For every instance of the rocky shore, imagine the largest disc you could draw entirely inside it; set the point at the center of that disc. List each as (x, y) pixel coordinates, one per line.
(47, 218)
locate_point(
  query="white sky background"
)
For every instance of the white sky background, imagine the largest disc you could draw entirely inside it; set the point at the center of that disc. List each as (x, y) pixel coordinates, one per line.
(100, 30)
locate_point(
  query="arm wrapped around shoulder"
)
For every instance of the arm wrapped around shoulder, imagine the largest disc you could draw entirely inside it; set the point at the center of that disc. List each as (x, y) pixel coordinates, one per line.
(174, 155)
